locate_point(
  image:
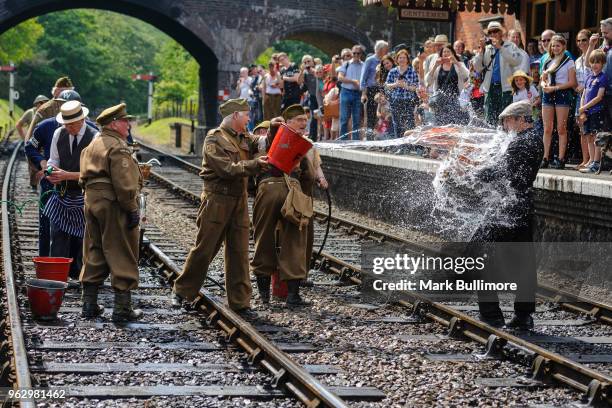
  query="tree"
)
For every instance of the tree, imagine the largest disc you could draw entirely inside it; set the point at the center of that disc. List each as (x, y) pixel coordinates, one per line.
(18, 43)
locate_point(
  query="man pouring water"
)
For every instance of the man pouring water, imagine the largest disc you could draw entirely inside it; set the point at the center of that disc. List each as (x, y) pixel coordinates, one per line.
(516, 261)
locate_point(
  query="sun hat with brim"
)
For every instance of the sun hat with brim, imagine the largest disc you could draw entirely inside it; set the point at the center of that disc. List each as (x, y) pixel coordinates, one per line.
(71, 111)
(519, 73)
(441, 39)
(495, 26)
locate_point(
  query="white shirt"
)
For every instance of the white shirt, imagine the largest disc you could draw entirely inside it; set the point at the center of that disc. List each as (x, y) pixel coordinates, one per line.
(581, 70)
(269, 81)
(54, 158)
(562, 75)
(245, 88)
(523, 94)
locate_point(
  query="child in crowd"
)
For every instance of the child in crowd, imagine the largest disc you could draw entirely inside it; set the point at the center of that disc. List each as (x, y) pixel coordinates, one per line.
(592, 109)
(523, 88)
(383, 113)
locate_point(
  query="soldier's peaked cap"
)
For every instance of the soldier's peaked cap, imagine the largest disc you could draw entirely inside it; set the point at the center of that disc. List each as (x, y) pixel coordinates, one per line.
(63, 82)
(293, 111)
(233, 105)
(112, 114)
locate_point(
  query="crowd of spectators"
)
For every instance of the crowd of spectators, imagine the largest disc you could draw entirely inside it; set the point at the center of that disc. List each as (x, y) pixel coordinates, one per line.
(384, 94)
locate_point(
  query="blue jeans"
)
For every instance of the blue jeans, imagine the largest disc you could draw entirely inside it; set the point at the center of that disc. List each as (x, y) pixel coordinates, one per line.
(350, 105)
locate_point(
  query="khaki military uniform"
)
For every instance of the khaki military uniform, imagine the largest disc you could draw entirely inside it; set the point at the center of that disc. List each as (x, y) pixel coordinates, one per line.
(49, 109)
(307, 182)
(291, 261)
(112, 181)
(223, 217)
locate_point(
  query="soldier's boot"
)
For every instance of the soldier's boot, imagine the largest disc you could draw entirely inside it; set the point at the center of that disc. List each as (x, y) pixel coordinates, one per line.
(263, 287)
(293, 294)
(89, 297)
(123, 311)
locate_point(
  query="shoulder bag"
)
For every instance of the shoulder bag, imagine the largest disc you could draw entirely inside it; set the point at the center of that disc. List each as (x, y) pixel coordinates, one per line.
(297, 208)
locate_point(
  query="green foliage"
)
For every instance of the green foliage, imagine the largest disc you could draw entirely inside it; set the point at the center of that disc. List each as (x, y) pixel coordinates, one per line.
(5, 119)
(17, 44)
(294, 49)
(100, 51)
(159, 132)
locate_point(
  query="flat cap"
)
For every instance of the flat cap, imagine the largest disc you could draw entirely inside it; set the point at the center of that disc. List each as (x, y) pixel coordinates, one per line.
(263, 125)
(63, 82)
(293, 111)
(234, 105)
(39, 99)
(112, 114)
(520, 108)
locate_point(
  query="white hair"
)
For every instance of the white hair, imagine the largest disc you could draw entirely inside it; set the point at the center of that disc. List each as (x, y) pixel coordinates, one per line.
(306, 57)
(380, 44)
(607, 22)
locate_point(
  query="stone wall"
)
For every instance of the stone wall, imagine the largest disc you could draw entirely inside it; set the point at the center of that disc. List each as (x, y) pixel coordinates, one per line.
(403, 196)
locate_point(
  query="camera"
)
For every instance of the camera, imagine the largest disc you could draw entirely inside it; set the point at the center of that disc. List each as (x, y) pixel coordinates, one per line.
(48, 170)
(421, 50)
(488, 41)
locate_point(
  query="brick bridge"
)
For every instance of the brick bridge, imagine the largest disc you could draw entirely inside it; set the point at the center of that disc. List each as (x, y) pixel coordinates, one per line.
(224, 35)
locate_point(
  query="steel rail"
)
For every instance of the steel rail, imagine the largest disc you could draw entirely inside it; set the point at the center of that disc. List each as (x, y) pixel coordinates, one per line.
(546, 365)
(285, 371)
(20, 356)
(599, 311)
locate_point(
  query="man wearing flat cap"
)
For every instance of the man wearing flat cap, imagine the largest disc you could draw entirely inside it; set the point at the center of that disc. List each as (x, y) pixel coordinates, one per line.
(272, 192)
(112, 180)
(519, 167)
(223, 218)
(64, 208)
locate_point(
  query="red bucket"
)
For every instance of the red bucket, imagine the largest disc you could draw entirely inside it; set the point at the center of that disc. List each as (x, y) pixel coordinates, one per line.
(287, 149)
(279, 287)
(45, 297)
(52, 268)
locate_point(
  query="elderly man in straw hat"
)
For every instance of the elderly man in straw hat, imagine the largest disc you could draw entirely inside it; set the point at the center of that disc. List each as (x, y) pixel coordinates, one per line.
(440, 41)
(223, 217)
(112, 181)
(496, 62)
(64, 208)
(519, 167)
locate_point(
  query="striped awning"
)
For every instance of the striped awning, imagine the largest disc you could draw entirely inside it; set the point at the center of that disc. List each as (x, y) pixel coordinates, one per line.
(479, 6)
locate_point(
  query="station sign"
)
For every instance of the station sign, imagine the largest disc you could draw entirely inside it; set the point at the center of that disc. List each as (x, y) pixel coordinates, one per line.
(7, 68)
(144, 77)
(428, 14)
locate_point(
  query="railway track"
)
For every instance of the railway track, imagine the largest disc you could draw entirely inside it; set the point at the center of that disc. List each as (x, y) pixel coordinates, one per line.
(589, 376)
(207, 356)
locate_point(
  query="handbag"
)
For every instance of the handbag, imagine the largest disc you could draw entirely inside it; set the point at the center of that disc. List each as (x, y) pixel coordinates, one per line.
(331, 109)
(297, 208)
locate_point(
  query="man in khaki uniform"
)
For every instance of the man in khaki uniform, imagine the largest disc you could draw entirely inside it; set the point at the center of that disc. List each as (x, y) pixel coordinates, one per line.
(49, 109)
(223, 216)
(112, 181)
(23, 124)
(271, 194)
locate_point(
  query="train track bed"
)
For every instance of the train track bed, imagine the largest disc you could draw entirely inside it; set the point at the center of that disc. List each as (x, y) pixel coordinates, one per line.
(375, 343)
(170, 357)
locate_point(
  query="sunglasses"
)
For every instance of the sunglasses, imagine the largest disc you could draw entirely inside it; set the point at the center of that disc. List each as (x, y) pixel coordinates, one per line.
(545, 41)
(356, 53)
(494, 31)
(581, 40)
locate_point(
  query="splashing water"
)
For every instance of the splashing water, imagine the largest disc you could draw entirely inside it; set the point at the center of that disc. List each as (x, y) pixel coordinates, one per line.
(462, 201)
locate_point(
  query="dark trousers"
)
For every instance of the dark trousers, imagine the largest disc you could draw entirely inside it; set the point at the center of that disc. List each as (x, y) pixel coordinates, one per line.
(511, 258)
(44, 225)
(402, 115)
(67, 246)
(495, 102)
(314, 123)
(371, 106)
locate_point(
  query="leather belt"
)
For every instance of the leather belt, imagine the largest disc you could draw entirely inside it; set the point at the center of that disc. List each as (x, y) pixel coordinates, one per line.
(105, 180)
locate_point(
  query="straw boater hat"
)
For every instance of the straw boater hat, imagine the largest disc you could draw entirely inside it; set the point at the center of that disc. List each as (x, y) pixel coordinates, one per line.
(494, 25)
(520, 73)
(71, 111)
(441, 39)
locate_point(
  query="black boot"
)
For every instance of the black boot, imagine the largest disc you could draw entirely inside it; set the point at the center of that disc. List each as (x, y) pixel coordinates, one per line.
(293, 294)
(123, 311)
(89, 297)
(521, 321)
(493, 320)
(263, 287)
